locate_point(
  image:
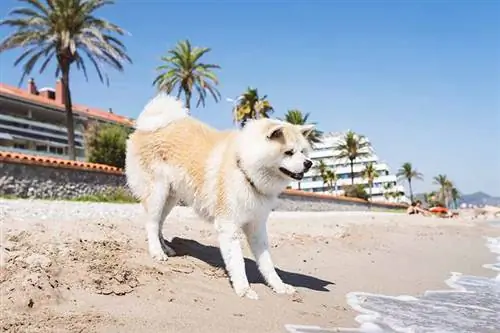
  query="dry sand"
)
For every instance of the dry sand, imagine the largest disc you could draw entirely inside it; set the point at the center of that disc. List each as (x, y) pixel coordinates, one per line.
(70, 267)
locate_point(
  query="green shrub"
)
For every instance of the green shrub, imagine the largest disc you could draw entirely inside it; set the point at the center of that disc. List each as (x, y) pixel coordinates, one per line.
(106, 144)
(356, 191)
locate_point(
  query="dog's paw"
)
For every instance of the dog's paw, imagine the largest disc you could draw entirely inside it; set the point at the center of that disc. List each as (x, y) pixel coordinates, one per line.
(158, 254)
(284, 288)
(167, 249)
(247, 292)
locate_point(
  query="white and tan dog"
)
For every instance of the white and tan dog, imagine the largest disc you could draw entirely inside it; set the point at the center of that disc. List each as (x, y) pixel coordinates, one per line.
(230, 178)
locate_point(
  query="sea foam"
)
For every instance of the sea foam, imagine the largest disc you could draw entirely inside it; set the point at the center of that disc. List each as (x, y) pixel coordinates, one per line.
(472, 305)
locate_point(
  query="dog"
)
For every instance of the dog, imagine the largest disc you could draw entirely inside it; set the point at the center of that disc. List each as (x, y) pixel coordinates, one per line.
(230, 178)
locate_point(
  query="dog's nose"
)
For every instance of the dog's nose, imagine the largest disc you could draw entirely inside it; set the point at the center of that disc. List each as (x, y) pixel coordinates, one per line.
(307, 165)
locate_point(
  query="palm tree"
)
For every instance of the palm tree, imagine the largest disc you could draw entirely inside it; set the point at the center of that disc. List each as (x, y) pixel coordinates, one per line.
(296, 117)
(388, 190)
(352, 147)
(323, 172)
(251, 106)
(370, 173)
(408, 173)
(444, 187)
(449, 186)
(455, 195)
(183, 71)
(65, 31)
(330, 179)
(397, 195)
(322, 167)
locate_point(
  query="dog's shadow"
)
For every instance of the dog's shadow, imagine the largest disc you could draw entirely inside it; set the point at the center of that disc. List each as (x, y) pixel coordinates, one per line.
(211, 255)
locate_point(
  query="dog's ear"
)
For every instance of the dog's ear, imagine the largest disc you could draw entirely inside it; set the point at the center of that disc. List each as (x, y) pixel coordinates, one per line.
(306, 130)
(275, 132)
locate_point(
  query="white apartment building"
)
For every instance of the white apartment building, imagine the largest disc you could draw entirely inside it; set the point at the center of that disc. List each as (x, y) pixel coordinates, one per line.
(312, 181)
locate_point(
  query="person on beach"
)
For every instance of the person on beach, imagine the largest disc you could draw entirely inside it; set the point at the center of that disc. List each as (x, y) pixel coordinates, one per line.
(415, 208)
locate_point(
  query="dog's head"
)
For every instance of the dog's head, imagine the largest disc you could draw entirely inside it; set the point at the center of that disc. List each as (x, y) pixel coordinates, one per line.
(277, 148)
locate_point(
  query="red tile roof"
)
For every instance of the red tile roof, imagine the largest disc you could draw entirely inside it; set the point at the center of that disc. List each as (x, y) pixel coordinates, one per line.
(81, 109)
(56, 162)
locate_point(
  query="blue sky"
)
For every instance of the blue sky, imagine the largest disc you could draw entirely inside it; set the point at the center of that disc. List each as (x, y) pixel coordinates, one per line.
(421, 79)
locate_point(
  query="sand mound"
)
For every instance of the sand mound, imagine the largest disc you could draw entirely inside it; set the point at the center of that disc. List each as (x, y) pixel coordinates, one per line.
(35, 276)
(106, 270)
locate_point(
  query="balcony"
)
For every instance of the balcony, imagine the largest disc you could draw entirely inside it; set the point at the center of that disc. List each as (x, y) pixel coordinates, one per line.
(37, 129)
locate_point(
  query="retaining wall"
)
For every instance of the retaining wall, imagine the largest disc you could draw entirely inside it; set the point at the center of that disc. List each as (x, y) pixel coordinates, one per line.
(43, 178)
(28, 176)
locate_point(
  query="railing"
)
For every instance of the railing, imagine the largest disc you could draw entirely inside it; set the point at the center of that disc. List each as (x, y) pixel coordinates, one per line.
(61, 135)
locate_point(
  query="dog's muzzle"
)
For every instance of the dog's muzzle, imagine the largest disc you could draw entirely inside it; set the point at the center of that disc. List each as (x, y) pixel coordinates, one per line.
(294, 175)
(298, 175)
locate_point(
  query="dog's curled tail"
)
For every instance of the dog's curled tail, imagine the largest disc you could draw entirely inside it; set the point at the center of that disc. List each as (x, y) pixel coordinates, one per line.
(159, 112)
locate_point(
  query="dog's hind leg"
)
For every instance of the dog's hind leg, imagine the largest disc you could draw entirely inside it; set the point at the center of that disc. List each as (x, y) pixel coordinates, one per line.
(157, 206)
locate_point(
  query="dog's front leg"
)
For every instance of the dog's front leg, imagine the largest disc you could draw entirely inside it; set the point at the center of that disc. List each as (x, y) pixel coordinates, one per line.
(256, 233)
(232, 255)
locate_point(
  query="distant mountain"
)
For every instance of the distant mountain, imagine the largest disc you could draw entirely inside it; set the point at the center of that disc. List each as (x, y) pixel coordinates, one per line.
(477, 199)
(480, 198)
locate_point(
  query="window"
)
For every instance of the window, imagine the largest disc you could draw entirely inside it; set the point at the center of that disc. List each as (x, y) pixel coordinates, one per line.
(56, 150)
(32, 136)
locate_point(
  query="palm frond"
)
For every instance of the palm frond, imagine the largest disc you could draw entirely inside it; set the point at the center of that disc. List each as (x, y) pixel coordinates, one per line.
(251, 106)
(296, 117)
(353, 146)
(182, 70)
(67, 29)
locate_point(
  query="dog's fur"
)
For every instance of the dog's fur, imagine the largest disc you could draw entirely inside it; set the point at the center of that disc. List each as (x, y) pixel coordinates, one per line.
(230, 178)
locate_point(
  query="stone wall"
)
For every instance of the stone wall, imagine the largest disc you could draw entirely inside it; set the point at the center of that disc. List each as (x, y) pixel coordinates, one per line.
(38, 181)
(36, 177)
(294, 200)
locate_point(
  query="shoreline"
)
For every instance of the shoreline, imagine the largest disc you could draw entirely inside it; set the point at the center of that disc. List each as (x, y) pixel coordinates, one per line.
(98, 251)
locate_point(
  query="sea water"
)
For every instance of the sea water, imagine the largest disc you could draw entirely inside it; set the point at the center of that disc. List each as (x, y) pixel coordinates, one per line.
(471, 305)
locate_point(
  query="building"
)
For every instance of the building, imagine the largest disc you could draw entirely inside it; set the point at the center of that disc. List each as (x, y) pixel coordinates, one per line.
(33, 121)
(312, 182)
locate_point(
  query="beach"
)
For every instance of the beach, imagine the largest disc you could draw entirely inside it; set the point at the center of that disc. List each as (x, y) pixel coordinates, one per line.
(84, 267)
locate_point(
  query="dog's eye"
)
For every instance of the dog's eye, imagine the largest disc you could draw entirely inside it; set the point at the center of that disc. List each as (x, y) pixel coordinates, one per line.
(289, 153)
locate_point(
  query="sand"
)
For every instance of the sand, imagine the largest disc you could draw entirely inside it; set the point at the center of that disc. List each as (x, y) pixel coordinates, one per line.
(70, 267)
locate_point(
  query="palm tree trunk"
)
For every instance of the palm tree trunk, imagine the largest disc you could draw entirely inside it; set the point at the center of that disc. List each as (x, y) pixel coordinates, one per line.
(444, 196)
(352, 172)
(70, 125)
(411, 190)
(188, 99)
(370, 201)
(298, 183)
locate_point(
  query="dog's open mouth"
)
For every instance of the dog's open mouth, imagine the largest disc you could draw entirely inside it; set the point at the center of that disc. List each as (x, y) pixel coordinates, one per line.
(294, 175)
